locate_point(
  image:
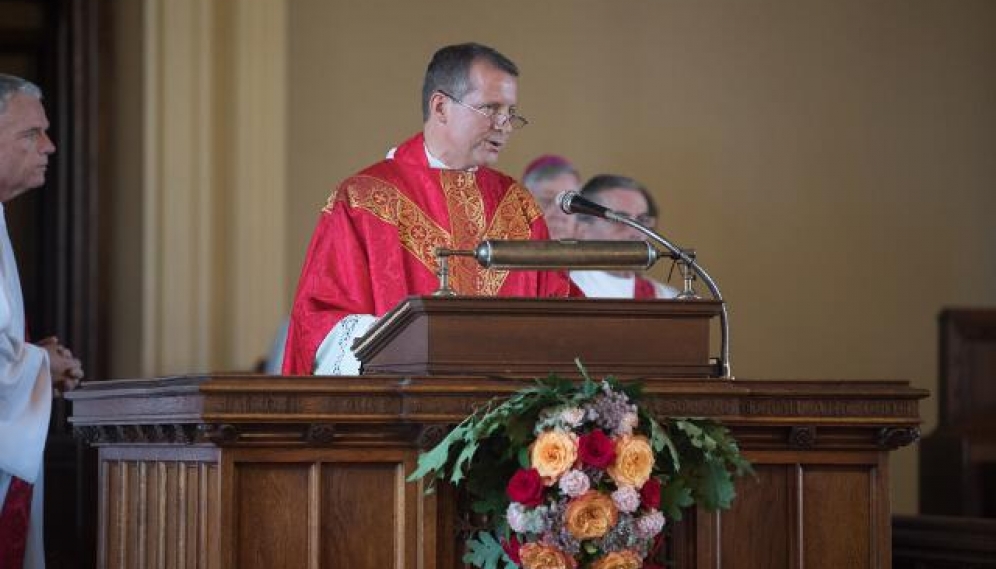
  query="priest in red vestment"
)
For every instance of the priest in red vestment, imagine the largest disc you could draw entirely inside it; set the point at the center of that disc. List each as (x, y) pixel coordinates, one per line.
(376, 236)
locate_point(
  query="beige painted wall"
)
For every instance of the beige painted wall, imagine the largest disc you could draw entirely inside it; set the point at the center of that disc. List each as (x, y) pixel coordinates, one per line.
(830, 161)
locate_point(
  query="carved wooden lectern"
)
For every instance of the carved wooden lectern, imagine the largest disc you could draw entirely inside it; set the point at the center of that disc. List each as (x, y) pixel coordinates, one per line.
(226, 471)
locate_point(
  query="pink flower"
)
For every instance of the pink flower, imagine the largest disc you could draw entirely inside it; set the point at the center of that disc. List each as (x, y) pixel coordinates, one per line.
(627, 499)
(649, 525)
(516, 516)
(575, 483)
(628, 424)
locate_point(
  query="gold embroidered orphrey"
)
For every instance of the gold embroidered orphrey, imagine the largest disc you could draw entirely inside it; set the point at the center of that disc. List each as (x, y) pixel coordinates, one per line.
(421, 235)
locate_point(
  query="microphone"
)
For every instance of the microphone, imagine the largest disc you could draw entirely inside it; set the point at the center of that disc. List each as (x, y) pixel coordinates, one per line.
(571, 202)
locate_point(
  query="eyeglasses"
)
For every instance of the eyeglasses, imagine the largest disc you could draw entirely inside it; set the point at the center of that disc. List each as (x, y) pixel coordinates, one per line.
(497, 119)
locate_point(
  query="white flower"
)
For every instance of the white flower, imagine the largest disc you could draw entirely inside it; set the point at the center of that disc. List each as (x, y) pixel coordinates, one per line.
(517, 518)
(527, 520)
(626, 498)
(649, 525)
(628, 423)
(575, 483)
(572, 416)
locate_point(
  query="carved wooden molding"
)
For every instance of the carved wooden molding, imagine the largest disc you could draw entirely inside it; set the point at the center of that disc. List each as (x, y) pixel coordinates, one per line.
(802, 437)
(118, 434)
(320, 433)
(228, 434)
(431, 435)
(218, 434)
(895, 437)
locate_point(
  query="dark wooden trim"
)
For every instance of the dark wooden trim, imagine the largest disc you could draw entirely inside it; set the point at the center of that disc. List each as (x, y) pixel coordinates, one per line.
(943, 542)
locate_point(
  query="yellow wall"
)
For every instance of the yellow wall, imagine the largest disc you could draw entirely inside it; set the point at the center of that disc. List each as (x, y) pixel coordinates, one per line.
(830, 161)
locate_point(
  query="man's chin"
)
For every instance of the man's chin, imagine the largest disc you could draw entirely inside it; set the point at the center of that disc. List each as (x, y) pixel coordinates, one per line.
(487, 157)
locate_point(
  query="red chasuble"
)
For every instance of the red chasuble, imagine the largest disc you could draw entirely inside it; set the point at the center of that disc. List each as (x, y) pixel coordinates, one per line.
(376, 237)
(643, 288)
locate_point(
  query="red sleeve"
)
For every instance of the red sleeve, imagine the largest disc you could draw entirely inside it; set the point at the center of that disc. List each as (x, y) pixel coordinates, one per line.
(335, 282)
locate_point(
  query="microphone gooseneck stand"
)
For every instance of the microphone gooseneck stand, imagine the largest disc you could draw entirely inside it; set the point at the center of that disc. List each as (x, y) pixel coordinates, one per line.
(680, 256)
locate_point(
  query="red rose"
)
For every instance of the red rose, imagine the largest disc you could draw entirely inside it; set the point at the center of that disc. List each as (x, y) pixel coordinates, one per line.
(511, 547)
(526, 487)
(596, 449)
(650, 494)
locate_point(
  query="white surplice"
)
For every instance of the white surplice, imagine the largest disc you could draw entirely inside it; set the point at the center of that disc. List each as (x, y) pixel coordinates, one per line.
(603, 284)
(25, 398)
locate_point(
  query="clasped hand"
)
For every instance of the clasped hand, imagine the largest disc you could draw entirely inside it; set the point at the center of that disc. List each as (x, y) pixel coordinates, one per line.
(67, 371)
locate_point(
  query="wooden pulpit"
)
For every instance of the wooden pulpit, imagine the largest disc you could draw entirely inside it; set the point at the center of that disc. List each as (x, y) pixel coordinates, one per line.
(226, 471)
(532, 337)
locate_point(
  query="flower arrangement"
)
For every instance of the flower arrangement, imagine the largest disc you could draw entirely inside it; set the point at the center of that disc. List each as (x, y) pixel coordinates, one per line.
(577, 475)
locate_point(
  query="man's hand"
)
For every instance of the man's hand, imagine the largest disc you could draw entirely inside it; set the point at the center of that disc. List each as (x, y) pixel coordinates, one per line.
(67, 371)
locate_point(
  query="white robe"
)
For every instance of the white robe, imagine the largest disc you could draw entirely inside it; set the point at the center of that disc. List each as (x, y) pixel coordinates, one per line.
(25, 399)
(602, 284)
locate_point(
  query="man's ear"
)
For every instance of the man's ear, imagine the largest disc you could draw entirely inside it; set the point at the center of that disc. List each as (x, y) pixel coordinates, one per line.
(437, 106)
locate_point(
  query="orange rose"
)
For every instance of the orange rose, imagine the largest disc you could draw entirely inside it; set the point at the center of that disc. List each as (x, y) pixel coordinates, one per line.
(539, 556)
(618, 560)
(634, 461)
(591, 515)
(553, 454)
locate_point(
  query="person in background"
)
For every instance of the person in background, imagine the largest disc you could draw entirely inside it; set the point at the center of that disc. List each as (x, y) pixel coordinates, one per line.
(546, 177)
(377, 234)
(628, 196)
(29, 374)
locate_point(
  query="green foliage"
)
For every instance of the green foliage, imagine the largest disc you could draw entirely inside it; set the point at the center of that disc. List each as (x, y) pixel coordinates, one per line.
(675, 496)
(484, 551)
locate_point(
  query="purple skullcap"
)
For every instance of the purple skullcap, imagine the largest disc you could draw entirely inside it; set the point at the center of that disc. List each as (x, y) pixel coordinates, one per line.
(547, 161)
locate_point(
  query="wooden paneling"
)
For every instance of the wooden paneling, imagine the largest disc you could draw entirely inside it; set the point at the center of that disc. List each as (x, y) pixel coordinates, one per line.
(273, 507)
(361, 500)
(326, 508)
(835, 511)
(310, 472)
(157, 513)
(797, 512)
(771, 497)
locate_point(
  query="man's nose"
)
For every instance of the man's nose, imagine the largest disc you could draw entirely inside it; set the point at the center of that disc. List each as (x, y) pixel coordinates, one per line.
(505, 127)
(45, 144)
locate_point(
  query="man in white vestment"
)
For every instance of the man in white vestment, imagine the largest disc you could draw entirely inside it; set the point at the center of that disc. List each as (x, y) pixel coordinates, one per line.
(28, 373)
(627, 196)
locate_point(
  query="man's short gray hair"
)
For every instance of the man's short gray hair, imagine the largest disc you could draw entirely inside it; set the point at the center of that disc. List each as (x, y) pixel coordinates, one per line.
(544, 172)
(11, 85)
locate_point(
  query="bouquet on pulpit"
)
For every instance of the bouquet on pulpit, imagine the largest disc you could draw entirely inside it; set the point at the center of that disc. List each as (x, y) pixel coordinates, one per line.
(569, 475)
